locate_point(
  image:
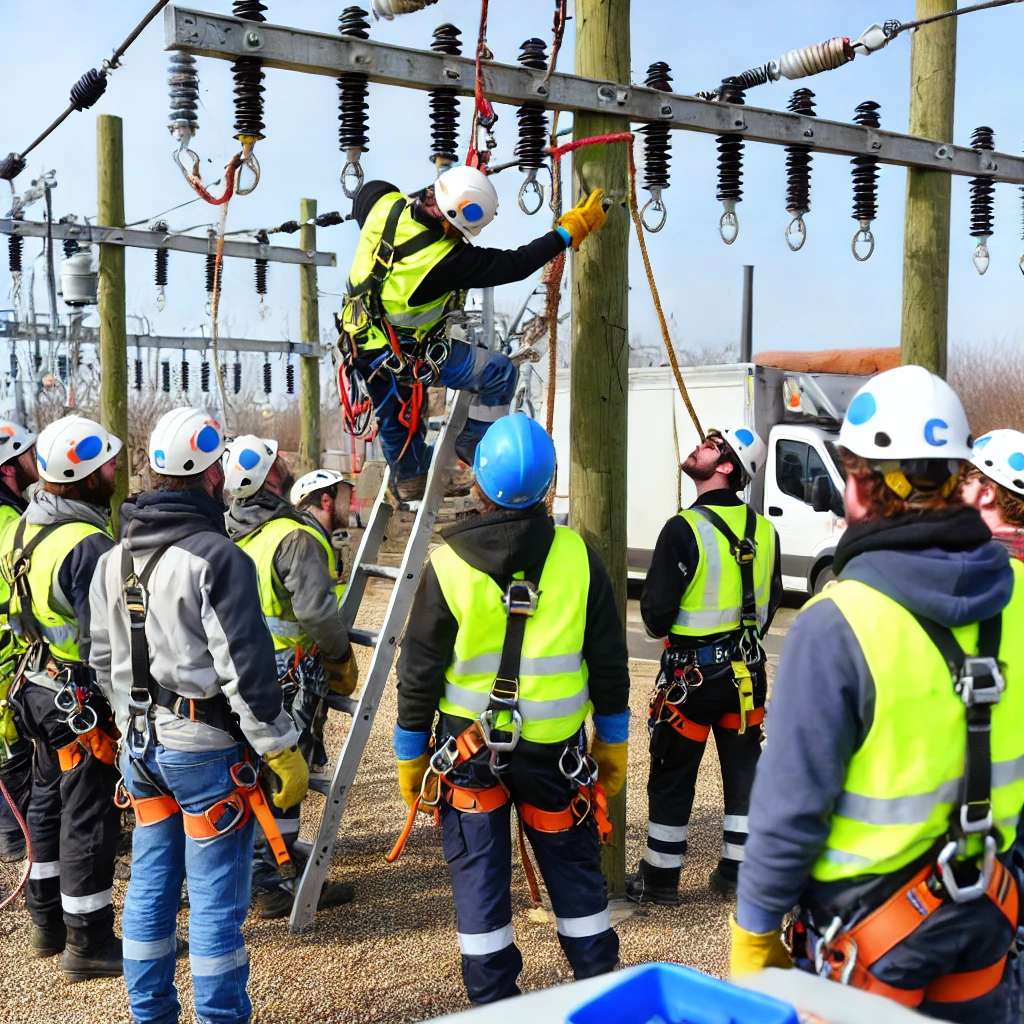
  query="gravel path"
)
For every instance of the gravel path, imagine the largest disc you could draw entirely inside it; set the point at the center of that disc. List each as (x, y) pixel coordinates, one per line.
(392, 954)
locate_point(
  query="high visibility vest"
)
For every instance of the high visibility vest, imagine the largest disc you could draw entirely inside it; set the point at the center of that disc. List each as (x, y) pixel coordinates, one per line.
(406, 275)
(904, 780)
(553, 696)
(59, 629)
(8, 518)
(8, 653)
(261, 546)
(712, 602)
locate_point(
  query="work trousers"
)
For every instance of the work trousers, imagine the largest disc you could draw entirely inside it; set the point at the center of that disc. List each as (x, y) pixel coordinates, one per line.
(219, 874)
(73, 824)
(675, 761)
(478, 851)
(490, 376)
(16, 775)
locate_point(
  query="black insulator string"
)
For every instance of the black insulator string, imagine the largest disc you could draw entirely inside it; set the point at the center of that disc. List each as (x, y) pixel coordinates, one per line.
(289, 378)
(204, 375)
(353, 88)
(983, 140)
(657, 149)
(798, 174)
(160, 275)
(267, 377)
(444, 104)
(236, 374)
(15, 248)
(730, 167)
(865, 182)
(138, 374)
(165, 377)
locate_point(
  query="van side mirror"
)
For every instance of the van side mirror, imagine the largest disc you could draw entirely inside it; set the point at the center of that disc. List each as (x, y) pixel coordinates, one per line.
(821, 494)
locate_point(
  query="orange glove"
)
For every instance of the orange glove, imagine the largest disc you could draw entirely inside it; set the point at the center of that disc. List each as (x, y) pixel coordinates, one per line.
(586, 217)
(102, 746)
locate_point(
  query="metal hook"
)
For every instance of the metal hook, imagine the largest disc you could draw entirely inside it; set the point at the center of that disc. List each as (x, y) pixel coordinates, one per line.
(531, 185)
(729, 225)
(981, 257)
(797, 231)
(656, 204)
(1021, 264)
(190, 176)
(352, 169)
(864, 235)
(253, 164)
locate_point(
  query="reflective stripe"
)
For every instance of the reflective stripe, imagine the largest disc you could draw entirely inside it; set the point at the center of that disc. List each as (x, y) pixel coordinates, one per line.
(842, 857)
(283, 627)
(707, 619)
(487, 413)
(486, 943)
(86, 904)
(735, 823)
(133, 950)
(549, 665)
(531, 710)
(898, 810)
(44, 869)
(657, 859)
(211, 966)
(667, 833)
(583, 927)
(733, 851)
(1005, 773)
(709, 544)
(422, 319)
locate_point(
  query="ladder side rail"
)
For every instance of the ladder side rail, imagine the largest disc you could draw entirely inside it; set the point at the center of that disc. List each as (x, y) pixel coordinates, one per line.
(369, 551)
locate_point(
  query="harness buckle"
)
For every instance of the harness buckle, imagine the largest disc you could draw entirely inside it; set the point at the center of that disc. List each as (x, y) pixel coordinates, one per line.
(744, 551)
(521, 598)
(980, 682)
(244, 775)
(487, 726)
(445, 758)
(965, 893)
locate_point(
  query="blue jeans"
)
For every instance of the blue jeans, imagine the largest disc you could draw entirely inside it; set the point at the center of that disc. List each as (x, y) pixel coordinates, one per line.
(219, 873)
(488, 375)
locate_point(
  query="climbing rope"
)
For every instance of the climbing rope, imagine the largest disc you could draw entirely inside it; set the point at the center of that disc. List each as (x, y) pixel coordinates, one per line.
(218, 267)
(8, 894)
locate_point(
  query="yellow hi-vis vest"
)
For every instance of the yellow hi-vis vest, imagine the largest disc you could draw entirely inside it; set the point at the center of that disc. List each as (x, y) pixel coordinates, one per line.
(60, 629)
(261, 545)
(903, 782)
(8, 652)
(553, 696)
(711, 603)
(406, 276)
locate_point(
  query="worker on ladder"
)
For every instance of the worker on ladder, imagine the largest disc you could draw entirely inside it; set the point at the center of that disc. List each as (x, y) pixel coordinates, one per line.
(891, 783)
(298, 581)
(514, 637)
(48, 557)
(993, 483)
(181, 648)
(17, 471)
(413, 263)
(712, 589)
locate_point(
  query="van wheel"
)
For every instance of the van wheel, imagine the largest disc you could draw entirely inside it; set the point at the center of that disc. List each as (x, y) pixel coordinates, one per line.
(825, 579)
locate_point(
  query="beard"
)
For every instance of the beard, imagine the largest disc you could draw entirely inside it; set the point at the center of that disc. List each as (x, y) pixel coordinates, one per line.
(695, 471)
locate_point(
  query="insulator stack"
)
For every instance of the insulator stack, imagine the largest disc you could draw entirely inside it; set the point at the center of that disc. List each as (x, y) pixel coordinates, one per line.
(204, 376)
(138, 374)
(268, 377)
(798, 174)
(444, 104)
(165, 377)
(261, 277)
(289, 378)
(62, 367)
(657, 149)
(160, 275)
(211, 279)
(353, 137)
(865, 183)
(15, 248)
(236, 377)
(14, 365)
(185, 374)
(730, 166)
(70, 246)
(983, 140)
(533, 129)
(183, 78)
(248, 75)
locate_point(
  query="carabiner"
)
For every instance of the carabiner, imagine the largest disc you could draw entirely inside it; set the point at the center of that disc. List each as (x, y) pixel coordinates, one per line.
(796, 230)
(190, 176)
(435, 800)
(581, 764)
(82, 721)
(488, 727)
(728, 224)
(656, 204)
(531, 185)
(444, 759)
(66, 700)
(863, 235)
(254, 165)
(353, 169)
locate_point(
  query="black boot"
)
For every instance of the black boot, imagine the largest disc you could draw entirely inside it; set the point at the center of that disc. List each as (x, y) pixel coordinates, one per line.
(81, 962)
(275, 903)
(45, 942)
(12, 847)
(725, 877)
(654, 885)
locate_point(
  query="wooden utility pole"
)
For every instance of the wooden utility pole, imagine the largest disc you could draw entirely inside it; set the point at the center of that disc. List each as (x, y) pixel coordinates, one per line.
(309, 366)
(598, 385)
(926, 232)
(110, 295)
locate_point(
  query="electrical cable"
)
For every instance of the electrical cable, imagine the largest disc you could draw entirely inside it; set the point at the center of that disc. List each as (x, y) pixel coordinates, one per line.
(897, 27)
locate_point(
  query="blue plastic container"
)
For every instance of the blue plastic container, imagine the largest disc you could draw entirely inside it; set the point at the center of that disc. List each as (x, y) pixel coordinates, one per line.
(670, 994)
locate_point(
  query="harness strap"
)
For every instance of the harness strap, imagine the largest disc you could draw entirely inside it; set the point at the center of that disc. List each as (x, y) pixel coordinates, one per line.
(743, 551)
(527, 862)
(20, 565)
(662, 711)
(589, 799)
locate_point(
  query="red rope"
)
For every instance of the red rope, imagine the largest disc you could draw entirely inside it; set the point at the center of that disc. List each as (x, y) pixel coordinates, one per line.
(559, 151)
(229, 181)
(481, 106)
(13, 895)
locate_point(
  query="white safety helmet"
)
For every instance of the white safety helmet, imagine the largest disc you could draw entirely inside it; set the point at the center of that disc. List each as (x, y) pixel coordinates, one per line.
(72, 448)
(906, 414)
(467, 198)
(999, 454)
(14, 439)
(318, 480)
(748, 447)
(247, 461)
(185, 442)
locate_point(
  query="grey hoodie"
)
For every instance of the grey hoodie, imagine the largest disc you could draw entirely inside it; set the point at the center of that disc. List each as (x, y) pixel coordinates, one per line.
(302, 576)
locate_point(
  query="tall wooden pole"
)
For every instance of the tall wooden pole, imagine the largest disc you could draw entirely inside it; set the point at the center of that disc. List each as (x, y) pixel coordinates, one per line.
(598, 386)
(926, 232)
(309, 331)
(110, 295)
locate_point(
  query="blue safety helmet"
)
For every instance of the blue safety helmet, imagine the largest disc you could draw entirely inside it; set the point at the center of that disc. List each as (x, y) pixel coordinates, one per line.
(515, 462)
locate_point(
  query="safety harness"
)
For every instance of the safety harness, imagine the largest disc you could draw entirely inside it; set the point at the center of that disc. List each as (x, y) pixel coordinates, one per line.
(231, 811)
(846, 954)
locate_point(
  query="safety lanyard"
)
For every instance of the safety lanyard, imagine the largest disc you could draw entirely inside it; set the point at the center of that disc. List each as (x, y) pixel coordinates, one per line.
(743, 551)
(20, 565)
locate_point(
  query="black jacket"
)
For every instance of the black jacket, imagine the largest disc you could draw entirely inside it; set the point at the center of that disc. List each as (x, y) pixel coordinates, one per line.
(673, 567)
(501, 544)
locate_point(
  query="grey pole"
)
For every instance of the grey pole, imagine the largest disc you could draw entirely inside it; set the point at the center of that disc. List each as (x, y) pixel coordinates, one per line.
(747, 327)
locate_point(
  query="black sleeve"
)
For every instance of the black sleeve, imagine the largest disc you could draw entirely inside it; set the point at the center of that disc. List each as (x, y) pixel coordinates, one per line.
(775, 595)
(672, 569)
(468, 266)
(75, 579)
(427, 652)
(604, 644)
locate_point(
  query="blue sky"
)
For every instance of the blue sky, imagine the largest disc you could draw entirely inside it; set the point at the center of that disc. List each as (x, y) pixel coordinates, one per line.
(816, 298)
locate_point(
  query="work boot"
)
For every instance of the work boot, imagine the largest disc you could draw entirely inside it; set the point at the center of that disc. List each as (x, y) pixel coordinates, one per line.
(410, 489)
(12, 847)
(654, 885)
(80, 964)
(278, 902)
(46, 942)
(724, 881)
(461, 482)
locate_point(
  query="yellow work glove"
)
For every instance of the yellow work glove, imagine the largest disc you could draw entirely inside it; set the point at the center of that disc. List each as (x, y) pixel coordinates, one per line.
(410, 778)
(103, 746)
(753, 952)
(587, 216)
(342, 676)
(611, 764)
(293, 774)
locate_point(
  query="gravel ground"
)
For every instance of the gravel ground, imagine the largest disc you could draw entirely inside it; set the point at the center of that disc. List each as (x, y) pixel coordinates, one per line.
(392, 954)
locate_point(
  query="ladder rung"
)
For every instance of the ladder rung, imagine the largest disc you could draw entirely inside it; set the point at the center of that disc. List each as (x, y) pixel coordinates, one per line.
(386, 572)
(364, 637)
